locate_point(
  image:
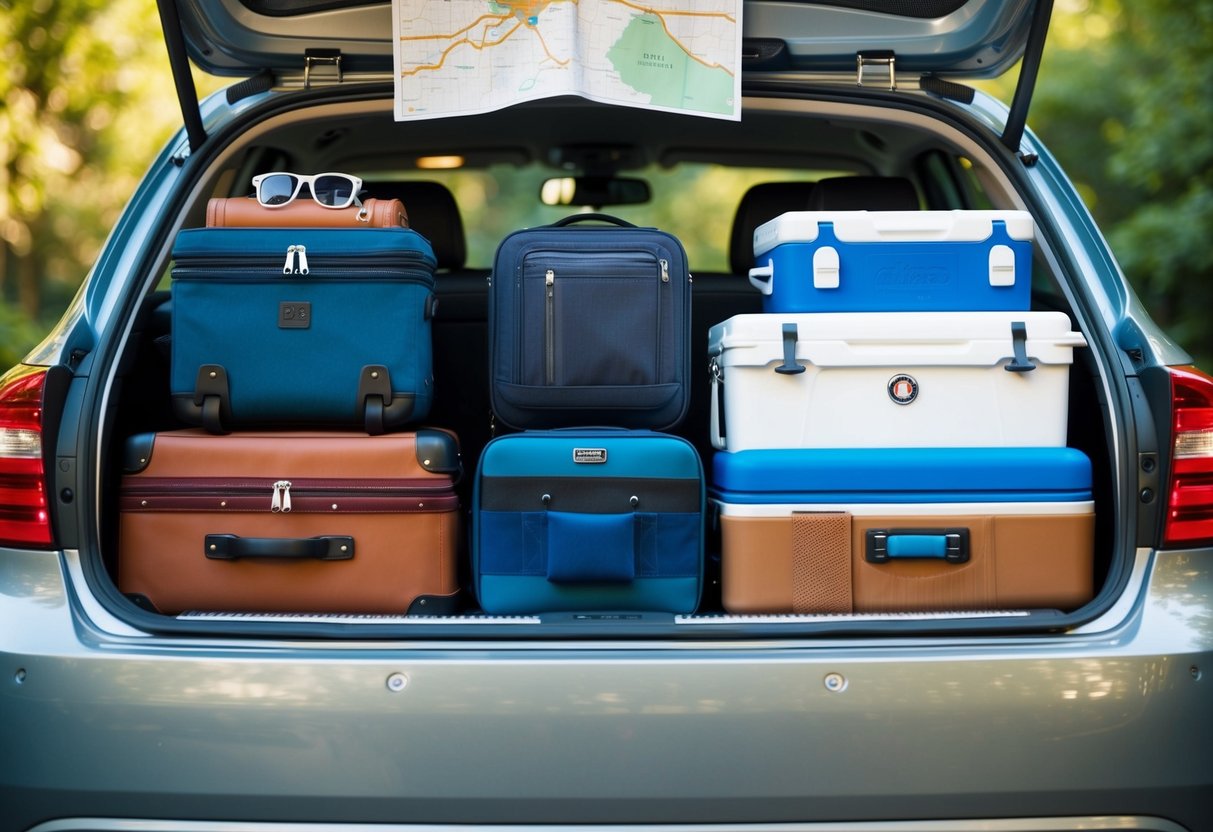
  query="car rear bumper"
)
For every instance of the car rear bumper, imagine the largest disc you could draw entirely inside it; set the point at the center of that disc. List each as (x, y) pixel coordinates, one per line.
(1112, 721)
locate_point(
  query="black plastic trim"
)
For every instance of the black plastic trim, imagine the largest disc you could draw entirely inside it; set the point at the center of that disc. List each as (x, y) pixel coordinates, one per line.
(263, 81)
(1029, 68)
(137, 452)
(438, 452)
(187, 93)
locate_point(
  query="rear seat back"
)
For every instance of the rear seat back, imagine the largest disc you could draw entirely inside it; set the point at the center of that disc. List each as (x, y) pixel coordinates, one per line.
(460, 326)
(864, 193)
(759, 204)
(717, 297)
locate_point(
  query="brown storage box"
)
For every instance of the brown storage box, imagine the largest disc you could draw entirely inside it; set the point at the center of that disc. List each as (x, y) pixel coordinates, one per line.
(314, 522)
(818, 562)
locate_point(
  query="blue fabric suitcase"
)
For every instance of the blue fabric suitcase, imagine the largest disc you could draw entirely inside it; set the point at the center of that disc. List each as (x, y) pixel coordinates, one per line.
(590, 325)
(588, 519)
(301, 327)
(894, 261)
(840, 530)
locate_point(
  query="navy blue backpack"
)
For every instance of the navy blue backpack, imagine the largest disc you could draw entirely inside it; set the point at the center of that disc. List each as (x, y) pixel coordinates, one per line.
(590, 325)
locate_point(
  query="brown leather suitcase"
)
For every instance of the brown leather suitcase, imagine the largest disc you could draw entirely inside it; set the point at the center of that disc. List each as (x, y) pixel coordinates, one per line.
(307, 522)
(246, 212)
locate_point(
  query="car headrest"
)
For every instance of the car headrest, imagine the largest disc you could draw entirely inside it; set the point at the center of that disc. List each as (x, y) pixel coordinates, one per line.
(761, 203)
(432, 213)
(864, 193)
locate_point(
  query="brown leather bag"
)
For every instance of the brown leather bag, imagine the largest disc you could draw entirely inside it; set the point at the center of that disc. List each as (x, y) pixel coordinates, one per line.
(305, 521)
(246, 212)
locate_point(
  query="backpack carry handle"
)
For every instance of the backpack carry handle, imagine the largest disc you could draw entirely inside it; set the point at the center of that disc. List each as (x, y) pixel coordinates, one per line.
(592, 217)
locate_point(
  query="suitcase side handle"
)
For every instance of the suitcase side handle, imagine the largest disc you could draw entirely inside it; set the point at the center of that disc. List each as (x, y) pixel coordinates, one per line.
(234, 547)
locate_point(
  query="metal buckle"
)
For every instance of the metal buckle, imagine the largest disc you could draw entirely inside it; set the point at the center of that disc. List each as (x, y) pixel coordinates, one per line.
(317, 57)
(876, 59)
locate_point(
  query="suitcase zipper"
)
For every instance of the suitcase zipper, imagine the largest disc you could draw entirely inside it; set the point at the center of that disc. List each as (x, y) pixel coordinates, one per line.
(291, 253)
(281, 501)
(311, 495)
(296, 262)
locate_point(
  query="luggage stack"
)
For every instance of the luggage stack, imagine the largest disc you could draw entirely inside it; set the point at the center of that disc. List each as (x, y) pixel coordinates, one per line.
(891, 430)
(301, 355)
(589, 506)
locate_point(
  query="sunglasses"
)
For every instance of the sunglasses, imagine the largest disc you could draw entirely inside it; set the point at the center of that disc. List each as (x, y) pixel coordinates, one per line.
(332, 190)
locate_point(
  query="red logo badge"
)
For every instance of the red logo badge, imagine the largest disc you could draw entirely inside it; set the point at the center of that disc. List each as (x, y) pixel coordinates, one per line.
(903, 389)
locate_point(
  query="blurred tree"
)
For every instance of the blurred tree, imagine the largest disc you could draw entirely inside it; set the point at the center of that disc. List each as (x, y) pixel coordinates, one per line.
(83, 92)
(1124, 103)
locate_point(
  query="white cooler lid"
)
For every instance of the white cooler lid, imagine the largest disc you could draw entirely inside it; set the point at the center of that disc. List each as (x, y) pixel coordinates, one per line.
(890, 226)
(867, 339)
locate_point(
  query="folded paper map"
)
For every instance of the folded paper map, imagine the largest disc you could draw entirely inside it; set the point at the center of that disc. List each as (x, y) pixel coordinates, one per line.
(458, 57)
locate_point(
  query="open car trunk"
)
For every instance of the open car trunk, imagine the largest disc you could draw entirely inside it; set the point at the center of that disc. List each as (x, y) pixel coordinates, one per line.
(782, 137)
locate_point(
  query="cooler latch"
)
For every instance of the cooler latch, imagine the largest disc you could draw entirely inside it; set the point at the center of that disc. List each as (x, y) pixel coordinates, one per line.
(1002, 266)
(1019, 363)
(826, 268)
(789, 366)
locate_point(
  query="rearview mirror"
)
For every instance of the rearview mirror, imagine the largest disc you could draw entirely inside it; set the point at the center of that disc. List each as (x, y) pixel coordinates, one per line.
(595, 191)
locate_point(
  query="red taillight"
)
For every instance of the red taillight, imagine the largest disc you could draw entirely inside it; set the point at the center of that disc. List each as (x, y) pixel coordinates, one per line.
(1190, 492)
(24, 520)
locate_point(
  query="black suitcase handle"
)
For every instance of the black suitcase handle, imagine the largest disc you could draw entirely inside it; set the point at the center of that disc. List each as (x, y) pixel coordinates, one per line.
(592, 217)
(232, 547)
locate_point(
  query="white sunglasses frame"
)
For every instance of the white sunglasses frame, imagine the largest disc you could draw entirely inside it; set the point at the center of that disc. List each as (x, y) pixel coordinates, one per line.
(301, 179)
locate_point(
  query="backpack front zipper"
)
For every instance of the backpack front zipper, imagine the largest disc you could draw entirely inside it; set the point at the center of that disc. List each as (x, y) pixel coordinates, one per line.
(549, 327)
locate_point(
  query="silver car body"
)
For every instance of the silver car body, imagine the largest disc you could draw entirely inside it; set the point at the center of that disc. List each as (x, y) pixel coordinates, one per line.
(1102, 719)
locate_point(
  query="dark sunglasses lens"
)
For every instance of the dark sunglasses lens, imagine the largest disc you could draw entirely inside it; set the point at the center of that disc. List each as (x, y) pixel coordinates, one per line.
(277, 189)
(333, 191)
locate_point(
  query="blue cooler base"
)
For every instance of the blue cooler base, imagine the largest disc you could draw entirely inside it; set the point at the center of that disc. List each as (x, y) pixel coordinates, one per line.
(901, 475)
(841, 531)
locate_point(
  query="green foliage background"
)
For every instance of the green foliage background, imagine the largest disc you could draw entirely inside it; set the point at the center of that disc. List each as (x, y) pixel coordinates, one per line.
(86, 100)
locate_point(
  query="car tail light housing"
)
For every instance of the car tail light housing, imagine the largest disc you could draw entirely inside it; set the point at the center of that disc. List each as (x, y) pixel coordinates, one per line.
(24, 518)
(1189, 520)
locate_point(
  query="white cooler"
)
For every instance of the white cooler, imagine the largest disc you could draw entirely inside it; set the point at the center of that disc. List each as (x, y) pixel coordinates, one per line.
(891, 380)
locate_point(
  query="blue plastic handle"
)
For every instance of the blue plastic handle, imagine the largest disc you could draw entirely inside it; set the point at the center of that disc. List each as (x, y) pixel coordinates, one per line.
(917, 546)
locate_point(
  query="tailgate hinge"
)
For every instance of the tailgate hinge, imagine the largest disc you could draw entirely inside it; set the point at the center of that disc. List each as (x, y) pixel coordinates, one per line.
(882, 58)
(313, 58)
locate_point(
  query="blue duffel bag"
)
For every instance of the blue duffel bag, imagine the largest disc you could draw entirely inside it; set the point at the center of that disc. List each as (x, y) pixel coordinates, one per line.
(302, 327)
(588, 520)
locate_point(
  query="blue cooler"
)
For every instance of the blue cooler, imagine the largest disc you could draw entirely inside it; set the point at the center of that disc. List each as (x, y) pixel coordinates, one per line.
(894, 261)
(838, 531)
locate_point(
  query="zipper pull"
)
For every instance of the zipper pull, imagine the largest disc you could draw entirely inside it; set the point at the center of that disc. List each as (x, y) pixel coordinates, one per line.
(549, 280)
(289, 268)
(282, 496)
(665, 270)
(302, 251)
